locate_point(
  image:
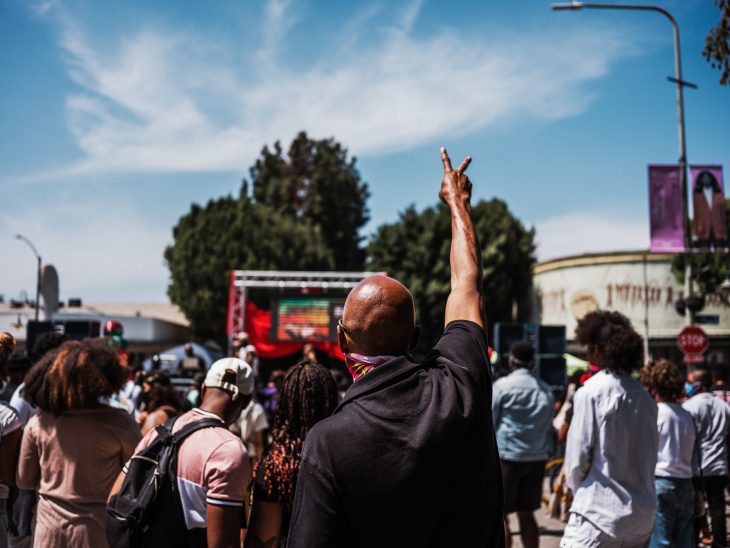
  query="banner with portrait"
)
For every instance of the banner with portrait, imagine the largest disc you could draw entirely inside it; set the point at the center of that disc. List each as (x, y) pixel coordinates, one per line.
(708, 201)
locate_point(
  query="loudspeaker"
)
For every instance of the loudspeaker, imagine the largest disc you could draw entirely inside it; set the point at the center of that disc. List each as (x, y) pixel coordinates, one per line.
(76, 329)
(506, 334)
(552, 370)
(550, 339)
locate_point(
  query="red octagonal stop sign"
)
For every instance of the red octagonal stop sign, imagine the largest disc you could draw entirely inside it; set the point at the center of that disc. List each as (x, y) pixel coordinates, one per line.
(692, 340)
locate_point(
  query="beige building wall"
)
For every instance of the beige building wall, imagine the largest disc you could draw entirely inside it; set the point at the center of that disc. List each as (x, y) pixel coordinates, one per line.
(644, 290)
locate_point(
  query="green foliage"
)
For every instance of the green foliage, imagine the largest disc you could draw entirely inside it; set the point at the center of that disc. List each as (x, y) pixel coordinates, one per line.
(415, 250)
(317, 184)
(233, 234)
(708, 268)
(717, 51)
(305, 215)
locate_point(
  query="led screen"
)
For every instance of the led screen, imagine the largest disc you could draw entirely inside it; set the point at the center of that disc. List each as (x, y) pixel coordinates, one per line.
(305, 318)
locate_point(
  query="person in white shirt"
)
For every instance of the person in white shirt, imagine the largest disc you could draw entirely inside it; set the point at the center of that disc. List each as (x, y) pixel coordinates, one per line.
(612, 443)
(712, 420)
(674, 490)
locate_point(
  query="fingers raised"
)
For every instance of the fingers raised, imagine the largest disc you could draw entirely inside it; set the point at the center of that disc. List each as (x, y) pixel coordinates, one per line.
(447, 161)
(464, 165)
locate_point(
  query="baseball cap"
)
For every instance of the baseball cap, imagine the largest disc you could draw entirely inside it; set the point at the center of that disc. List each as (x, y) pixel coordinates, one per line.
(243, 372)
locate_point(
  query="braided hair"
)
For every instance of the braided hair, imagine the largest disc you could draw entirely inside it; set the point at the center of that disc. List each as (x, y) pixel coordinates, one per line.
(309, 395)
(74, 376)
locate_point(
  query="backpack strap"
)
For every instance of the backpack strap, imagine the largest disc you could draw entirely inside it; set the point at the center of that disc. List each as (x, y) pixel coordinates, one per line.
(185, 431)
(164, 430)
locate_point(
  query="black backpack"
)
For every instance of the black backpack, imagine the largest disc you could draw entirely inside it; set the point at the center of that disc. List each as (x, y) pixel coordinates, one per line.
(147, 510)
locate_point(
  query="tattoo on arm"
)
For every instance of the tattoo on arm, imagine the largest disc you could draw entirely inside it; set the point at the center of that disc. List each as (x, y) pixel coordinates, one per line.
(258, 543)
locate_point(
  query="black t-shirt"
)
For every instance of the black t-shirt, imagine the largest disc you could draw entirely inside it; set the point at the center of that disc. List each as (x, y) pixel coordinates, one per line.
(270, 490)
(409, 458)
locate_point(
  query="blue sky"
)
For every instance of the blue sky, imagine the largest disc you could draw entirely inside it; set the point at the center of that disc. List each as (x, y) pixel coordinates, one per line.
(116, 116)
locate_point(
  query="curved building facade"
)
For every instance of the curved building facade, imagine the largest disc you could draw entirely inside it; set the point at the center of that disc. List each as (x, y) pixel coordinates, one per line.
(637, 284)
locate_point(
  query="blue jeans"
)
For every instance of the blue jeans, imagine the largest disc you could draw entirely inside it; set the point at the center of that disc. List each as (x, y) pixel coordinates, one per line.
(673, 524)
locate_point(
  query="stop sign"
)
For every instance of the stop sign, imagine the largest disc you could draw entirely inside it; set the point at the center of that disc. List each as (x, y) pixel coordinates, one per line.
(692, 340)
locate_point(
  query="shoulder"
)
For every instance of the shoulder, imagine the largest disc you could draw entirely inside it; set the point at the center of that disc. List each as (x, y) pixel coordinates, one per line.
(464, 330)
(216, 441)
(463, 344)
(327, 433)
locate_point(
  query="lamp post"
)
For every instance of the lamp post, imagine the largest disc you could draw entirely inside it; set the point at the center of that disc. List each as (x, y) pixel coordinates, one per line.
(680, 115)
(38, 284)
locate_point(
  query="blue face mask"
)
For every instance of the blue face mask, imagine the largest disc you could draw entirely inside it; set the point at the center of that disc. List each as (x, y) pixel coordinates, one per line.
(691, 389)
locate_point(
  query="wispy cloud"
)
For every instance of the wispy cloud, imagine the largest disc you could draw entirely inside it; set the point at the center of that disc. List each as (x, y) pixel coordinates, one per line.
(159, 101)
(589, 232)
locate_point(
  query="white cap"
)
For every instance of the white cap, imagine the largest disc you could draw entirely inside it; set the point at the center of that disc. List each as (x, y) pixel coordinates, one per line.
(243, 372)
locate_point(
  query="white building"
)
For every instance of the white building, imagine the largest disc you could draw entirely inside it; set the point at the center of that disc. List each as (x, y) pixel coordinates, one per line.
(637, 284)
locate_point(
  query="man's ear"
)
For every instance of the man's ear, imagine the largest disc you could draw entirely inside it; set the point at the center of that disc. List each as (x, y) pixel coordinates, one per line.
(342, 340)
(415, 337)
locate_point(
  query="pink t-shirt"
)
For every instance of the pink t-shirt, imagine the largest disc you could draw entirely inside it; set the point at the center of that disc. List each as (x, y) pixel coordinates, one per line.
(212, 468)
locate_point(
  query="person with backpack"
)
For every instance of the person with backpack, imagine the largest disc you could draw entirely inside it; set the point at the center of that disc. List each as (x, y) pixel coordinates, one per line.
(200, 500)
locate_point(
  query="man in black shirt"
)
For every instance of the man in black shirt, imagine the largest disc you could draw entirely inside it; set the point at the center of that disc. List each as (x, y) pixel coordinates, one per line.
(409, 458)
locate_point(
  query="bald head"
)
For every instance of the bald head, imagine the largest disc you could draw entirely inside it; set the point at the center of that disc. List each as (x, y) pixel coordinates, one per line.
(381, 316)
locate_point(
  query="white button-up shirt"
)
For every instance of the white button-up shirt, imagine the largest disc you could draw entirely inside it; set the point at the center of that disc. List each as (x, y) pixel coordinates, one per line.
(610, 455)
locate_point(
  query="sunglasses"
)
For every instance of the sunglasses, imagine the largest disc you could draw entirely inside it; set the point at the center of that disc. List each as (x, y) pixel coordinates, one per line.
(346, 329)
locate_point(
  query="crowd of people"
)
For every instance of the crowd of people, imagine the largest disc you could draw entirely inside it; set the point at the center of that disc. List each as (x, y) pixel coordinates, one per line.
(429, 454)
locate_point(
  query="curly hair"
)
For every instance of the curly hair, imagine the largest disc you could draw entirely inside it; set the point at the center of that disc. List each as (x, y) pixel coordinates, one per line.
(621, 347)
(74, 376)
(663, 378)
(309, 395)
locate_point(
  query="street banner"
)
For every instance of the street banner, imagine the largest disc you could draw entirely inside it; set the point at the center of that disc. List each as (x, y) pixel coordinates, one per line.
(665, 208)
(708, 199)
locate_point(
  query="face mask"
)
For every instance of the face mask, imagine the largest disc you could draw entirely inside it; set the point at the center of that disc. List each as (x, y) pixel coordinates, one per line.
(359, 364)
(691, 389)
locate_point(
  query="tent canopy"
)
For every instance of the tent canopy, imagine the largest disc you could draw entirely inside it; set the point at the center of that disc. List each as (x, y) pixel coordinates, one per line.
(179, 351)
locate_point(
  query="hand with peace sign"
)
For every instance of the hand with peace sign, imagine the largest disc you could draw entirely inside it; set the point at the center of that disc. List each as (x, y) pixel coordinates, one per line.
(466, 300)
(456, 186)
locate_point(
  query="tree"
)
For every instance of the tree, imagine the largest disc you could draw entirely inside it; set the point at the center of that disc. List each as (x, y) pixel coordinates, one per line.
(716, 51)
(231, 234)
(708, 268)
(415, 250)
(317, 184)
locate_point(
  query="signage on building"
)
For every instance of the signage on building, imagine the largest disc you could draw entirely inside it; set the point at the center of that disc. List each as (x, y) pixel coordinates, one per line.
(693, 341)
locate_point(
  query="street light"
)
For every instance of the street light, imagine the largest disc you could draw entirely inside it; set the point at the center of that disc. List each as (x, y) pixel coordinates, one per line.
(680, 111)
(38, 285)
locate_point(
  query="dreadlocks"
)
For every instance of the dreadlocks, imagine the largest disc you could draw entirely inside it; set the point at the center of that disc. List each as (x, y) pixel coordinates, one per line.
(74, 376)
(309, 395)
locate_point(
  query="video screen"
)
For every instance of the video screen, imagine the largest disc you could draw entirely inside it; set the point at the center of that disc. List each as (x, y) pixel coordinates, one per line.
(312, 319)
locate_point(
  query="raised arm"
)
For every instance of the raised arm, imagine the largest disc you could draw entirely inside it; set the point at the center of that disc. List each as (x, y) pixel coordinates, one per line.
(466, 300)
